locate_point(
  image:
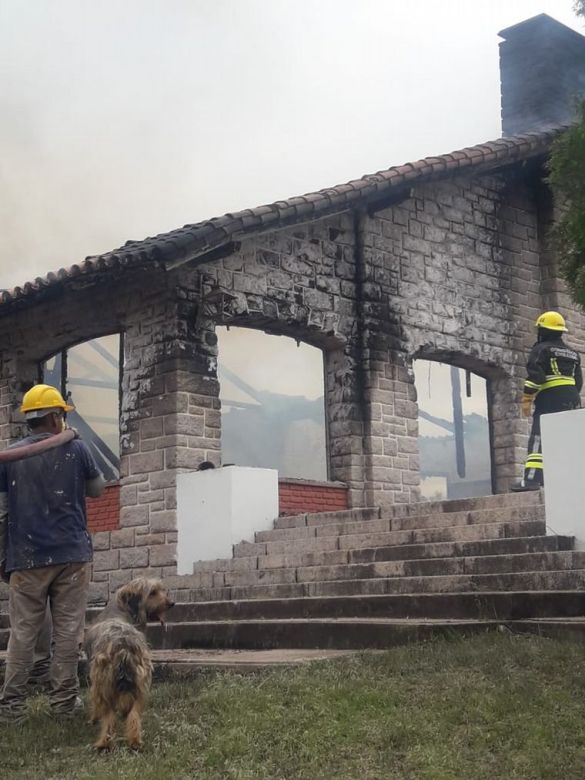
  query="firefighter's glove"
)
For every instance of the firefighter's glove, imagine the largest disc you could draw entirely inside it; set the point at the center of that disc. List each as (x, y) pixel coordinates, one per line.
(526, 405)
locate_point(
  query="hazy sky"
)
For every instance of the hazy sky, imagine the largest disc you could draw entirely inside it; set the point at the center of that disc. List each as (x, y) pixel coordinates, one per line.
(124, 118)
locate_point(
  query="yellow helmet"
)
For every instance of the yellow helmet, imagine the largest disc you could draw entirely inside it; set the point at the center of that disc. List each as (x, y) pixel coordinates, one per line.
(41, 400)
(551, 320)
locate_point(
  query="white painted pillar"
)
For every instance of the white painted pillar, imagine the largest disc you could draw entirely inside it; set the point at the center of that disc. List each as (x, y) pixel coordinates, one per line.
(563, 449)
(218, 508)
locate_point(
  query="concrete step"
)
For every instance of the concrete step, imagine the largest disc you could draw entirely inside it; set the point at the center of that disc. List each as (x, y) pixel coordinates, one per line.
(171, 664)
(318, 633)
(463, 533)
(572, 579)
(487, 605)
(464, 504)
(340, 633)
(476, 516)
(382, 525)
(572, 628)
(409, 510)
(487, 547)
(422, 567)
(429, 567)
(397, 552)
(324, 518)
(390, 538)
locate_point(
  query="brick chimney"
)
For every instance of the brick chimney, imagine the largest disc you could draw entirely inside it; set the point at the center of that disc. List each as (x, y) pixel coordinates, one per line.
(542, 73)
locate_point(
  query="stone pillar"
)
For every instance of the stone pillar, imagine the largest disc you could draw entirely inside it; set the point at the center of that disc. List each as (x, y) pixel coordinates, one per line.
(391, 428)
(170, 423)
(509, 432)
(15, 378)
(345, 426)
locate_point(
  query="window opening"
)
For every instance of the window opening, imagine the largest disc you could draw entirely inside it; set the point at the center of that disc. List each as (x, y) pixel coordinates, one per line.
(454, 440)
(89, 375)
(272, 403)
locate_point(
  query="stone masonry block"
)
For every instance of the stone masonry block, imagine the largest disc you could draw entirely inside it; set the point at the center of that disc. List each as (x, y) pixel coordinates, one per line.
(162, 479)
(134, 557)
(163, 555)
(146, 462)
(101, 540)
(151, 427)
(106, 560)
(188, 424)
(183, 458)
(150, 539)
(134, 515)
(122, 538)
(128, 495)
(119, 578)
(173, 403)
(161, 522)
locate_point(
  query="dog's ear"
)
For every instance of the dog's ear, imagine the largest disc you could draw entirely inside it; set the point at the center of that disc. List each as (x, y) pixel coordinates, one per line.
(133, 603)
(131, 600)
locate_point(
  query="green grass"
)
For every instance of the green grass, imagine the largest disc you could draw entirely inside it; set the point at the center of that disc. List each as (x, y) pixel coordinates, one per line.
(496, 706)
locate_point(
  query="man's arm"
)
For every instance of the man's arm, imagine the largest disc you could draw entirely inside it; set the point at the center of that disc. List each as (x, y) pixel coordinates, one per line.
(536, 372)
(95, 487)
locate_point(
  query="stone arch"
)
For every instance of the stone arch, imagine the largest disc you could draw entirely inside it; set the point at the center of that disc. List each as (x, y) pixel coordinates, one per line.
(273, 402)
(344, 429)
(506, 435)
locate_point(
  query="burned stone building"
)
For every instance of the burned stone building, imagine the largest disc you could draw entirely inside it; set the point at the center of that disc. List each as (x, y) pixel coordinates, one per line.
(444, 259)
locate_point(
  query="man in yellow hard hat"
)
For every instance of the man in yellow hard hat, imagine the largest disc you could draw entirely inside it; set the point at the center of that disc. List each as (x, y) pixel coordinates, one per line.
(553, 384)
(45, 551)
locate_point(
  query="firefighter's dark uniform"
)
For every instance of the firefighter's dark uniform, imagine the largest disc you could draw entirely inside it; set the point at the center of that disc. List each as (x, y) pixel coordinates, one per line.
(554, 381)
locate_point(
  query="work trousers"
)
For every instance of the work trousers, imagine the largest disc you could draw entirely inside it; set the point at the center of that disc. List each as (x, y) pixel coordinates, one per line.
(40, 672)
(65, 587)
(533, 468)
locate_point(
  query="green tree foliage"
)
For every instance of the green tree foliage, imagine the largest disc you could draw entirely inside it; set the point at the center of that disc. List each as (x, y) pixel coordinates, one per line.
(579, 7)
(567, 178)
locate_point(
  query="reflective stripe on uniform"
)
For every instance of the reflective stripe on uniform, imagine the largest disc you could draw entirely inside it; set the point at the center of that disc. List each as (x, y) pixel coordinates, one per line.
(531, 388)
(557, 381)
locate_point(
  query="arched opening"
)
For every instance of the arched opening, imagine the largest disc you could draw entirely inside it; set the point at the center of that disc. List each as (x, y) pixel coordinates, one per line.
(453, 431)
(272, 403)
(89, 375)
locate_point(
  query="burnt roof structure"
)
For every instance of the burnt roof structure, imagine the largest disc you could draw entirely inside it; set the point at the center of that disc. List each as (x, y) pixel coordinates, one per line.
(372, 191)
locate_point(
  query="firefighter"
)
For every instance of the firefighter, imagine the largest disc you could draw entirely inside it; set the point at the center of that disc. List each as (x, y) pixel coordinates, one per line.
(553, 384)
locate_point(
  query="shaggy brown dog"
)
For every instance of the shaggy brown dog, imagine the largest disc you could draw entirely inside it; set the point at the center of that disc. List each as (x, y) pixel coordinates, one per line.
(120, 669)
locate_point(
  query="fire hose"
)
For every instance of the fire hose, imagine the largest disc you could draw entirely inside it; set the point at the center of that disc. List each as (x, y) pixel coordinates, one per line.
(36, 448)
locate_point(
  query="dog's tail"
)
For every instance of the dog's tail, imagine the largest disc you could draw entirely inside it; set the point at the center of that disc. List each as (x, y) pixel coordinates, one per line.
(125, 671)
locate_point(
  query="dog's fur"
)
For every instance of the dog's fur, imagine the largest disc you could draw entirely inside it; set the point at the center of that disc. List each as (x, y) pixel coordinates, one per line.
(120, 667)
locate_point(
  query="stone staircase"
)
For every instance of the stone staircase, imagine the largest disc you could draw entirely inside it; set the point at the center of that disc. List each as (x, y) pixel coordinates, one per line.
(494, 543)
(371, 578)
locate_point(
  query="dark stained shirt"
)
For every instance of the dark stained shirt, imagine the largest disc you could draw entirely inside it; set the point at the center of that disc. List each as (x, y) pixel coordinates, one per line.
(47, 521)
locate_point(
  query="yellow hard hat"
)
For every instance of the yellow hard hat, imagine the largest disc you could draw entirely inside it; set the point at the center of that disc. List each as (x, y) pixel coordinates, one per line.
(41, 400)
(551, 320)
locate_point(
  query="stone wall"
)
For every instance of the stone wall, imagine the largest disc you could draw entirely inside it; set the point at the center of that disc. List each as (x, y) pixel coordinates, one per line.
(455, 271)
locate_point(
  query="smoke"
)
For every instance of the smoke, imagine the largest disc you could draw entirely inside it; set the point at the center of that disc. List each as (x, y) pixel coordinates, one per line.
(122, 120)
